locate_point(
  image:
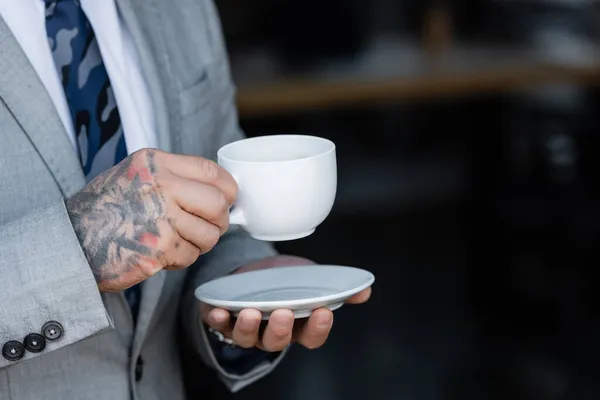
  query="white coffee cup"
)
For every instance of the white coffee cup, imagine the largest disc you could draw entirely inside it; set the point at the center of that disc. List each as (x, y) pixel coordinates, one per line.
(287, 184)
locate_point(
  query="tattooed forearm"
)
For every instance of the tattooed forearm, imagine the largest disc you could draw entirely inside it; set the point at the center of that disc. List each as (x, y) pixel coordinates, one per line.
(117, 219)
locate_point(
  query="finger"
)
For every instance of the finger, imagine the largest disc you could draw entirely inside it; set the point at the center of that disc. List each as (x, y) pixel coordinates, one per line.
(245, 332)
(171, 249)
(360, 297)
(196, 231)
(278, 332)
(203, 170)
(202, 200)
(316, 329)
(219, 319)
(205, 310)
(182, 255)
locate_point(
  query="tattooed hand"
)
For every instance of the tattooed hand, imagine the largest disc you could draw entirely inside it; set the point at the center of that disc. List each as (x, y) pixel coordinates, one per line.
(152, 211)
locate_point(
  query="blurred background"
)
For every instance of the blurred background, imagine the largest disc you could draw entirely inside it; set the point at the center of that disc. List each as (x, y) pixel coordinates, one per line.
(467, 134)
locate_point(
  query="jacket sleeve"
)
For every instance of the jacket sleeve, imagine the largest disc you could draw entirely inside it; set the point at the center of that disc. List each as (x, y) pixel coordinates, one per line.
(236, 248)
(45, 278)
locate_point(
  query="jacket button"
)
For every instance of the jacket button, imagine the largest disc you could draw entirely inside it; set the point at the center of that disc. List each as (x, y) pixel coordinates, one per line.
(13, 350)
(52, 330)
(34, 342)
(139, 369)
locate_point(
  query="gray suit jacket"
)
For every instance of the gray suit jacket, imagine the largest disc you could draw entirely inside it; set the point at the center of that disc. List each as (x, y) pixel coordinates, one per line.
(43, 273)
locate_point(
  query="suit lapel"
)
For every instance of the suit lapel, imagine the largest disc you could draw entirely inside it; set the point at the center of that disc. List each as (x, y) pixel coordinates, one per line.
(143, 23)
(27, 99)
(151, 292)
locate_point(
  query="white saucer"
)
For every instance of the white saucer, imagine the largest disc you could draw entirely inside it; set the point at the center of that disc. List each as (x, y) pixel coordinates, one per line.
(301, 289)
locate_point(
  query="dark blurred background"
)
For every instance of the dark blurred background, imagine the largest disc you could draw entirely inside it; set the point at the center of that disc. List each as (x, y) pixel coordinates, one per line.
(468, 135)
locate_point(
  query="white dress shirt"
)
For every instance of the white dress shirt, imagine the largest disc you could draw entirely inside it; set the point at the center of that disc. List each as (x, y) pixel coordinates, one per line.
(26, 20)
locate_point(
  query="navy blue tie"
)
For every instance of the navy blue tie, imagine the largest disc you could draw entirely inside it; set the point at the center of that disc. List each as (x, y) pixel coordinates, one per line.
(88, 91)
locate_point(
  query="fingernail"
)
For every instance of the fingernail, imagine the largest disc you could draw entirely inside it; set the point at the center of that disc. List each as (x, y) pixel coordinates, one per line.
(283, 322)
(324, 321)
(246, 323)
(218, 317)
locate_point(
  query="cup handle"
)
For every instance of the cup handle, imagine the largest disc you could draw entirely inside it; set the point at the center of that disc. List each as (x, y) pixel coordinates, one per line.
(236, 217)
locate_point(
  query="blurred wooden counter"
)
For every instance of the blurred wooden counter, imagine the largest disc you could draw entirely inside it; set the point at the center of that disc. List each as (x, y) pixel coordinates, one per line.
(401, 71)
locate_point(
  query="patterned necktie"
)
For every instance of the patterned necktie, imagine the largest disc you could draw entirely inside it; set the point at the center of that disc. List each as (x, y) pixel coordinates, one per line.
(91, 101)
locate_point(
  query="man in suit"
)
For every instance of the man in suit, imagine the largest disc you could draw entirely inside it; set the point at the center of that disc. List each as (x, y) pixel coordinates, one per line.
(111, 113)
